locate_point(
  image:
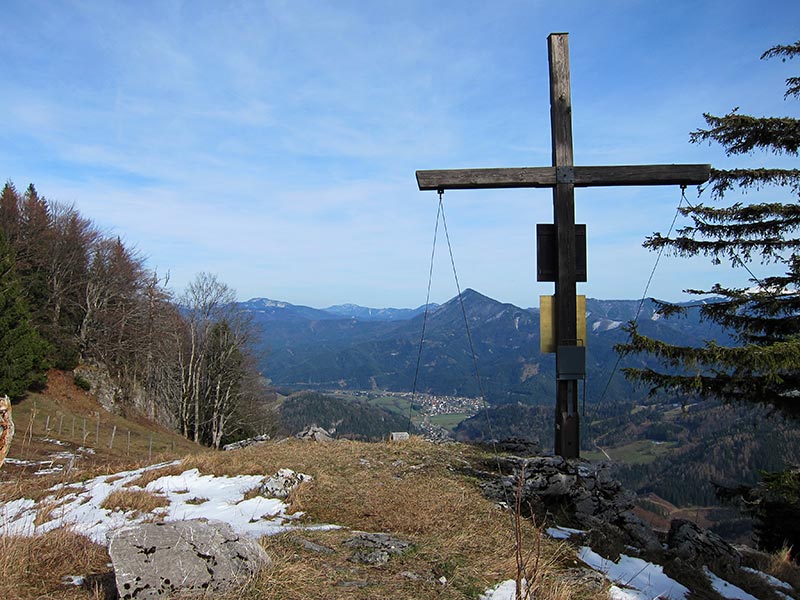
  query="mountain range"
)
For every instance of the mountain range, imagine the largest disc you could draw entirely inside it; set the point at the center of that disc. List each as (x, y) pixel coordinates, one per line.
(353, 347)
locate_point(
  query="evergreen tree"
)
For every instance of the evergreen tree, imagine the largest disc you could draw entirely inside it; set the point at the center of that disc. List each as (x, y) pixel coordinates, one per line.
(22, 351)
(764, 366)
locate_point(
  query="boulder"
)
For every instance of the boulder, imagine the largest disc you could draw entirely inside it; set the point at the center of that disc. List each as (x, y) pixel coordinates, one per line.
(282, 483)
(314, 434)
(161, 560)
(519, 446)
(698, 546)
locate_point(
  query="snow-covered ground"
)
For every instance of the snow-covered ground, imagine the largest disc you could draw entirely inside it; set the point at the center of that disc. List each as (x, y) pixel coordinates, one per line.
(189, 495)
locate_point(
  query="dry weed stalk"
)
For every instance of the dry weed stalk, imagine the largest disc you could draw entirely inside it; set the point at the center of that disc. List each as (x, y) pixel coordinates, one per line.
(534, 564)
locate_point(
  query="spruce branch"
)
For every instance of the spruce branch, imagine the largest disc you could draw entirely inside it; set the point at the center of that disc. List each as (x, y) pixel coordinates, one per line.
(784, 52)
(724, 180)
(741, 134)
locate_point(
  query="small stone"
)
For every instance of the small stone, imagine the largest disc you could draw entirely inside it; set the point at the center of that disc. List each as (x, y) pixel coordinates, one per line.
(311, 546)
(352, 584)
(373, 557)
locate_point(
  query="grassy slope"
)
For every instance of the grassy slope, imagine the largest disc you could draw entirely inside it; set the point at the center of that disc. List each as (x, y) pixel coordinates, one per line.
(413, 490)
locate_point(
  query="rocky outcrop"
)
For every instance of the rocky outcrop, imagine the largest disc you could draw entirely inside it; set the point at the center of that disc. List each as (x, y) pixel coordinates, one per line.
(117, 396)
(162, 560)
(314, 434)
(588, 492)
(103, 386)
(699, 547)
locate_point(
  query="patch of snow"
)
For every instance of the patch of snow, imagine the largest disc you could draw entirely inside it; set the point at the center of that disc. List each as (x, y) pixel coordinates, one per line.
(635, 573)
(62, 456)
(502, 591)
(256, 516)
(54, 441)
(605, 325)
(497, 316)
(19, 461)
(50, 470)
(618, 593)
(76, 580)
(773, 581)
(563, 533)
(725, 588)
(17, 516)
(79, 506)
(656, 316)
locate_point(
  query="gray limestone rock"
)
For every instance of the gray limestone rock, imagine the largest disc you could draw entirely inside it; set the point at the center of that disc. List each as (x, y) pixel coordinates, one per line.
(282, 483)
(159, 560)
(589, 491)
(700, 547)
(253, 441)
(375, 548)
(314, 434)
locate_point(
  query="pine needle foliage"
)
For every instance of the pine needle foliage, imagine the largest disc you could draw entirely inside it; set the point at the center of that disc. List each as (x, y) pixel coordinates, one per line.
(22, 351)
(764, 317)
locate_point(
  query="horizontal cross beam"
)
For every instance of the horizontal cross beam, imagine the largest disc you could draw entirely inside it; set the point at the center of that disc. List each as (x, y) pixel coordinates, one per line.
(543, 177)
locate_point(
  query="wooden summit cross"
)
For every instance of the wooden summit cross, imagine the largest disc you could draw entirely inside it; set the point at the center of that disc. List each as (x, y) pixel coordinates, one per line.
(563, 177)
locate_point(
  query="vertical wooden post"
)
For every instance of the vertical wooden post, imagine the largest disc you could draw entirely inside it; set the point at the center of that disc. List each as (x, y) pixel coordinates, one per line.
(567, 442)
(113, 433)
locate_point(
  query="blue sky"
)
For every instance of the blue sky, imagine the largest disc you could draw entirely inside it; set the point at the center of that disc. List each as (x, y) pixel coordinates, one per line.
(274, 143)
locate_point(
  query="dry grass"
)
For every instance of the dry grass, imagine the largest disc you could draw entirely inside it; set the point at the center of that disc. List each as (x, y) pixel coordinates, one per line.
(777, 564)
(781, 566)
(33, 567)
(413, 490)
(138, 501)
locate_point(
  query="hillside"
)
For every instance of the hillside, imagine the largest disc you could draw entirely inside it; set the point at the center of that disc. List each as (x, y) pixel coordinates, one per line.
(64, 427)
